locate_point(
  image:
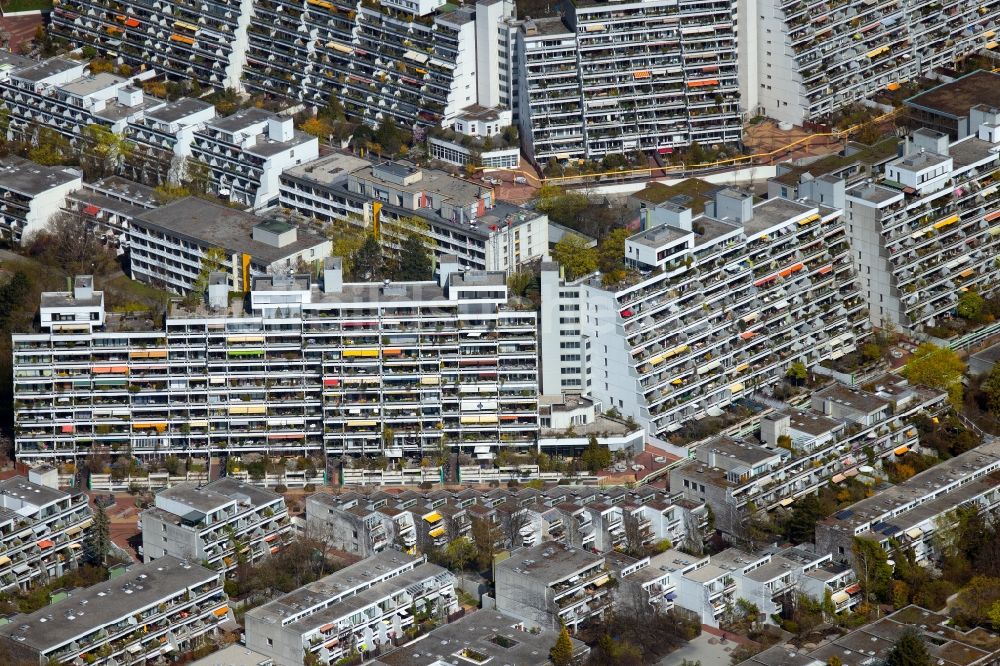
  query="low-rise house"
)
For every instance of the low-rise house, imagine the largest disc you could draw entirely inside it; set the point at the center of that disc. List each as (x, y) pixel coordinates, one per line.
(168, 245)
(946, 644)
(367, 604)
(910, 512)
(150, 611)
(481, 637)
(805, 449)
(221, 523)
(41, 530)
(703, 588)
(837, 579)
(110, 205)
(30, 194)
(552, 584)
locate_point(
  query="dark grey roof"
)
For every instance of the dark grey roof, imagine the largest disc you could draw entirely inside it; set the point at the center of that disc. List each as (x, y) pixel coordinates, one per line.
(30, 179)
(174, 111)
(214, 225)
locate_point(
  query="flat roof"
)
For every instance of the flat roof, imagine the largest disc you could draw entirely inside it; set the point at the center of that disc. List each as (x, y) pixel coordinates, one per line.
(20, 488)
(873, 192)
(549, 562)
(234, 655)
(29, 178)
(739, 451)
(329, 169)
(774, 212)
(854, 398)
(810, 422)
(919, 161)
(46, 68)
(854, 153)
(65, 299)
(97, 606)
(500, 638)
(691, 193)
(545, 27)
(954, 99)
(350, 577)
(945, 472)
(174, 111)
(215, 225)
(93, 83)
(264, 145)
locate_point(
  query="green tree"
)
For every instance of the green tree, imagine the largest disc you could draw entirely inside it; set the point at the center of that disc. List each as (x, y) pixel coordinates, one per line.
(872, 566)
(389, 136)
(970, 306)
(414, 262)
(103, 151)
(561, 206)
(975, 602)
(596, 456)
(797, 372)
(909, 650)
(346, 239)
(485, 535)
(573, 254)
(937, 367)
(334, 109)
(561, 653)
(991, 387)
(369, 262)
(801, 524)
(611, 251)
(214, 259)
(51, 148)
(97, 543)
(164, 193)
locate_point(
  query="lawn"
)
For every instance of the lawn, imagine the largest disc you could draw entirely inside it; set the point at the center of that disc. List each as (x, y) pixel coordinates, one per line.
(11, 6)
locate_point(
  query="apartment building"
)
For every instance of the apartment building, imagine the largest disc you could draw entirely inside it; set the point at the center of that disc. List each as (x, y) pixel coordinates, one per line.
(110, 205)
(397, 369)
(872, 643)
(839, 580)
(813, 59)
(653, 75)
(552, 584)
(30, 194)
(169, 245)
(61, 94)
(163, 137)
(484, 636)
(909, 512)
(147, 612)
(455, 216)
(721, 298)
(358, 608)
(41, 530)
(578, 516)
(826, 444)
(640, 584)
(947, 108)
(247, 151)
(220, 524)
(205, 42)
(926, 231)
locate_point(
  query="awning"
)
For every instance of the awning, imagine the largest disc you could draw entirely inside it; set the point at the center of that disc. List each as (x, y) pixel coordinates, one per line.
(838, 478)
(219, 612)
(736, 387)
(21, 568)
(326, 627)
(840, 597)
(786, 501)
(432, 517)
(75, 546)
(914, 533)
(46, 543)
(91, 210)
(270, 537)
(951, 219)
(900, 450)
(853, 589)
(24, 534)
(436, 532)
(4, 561)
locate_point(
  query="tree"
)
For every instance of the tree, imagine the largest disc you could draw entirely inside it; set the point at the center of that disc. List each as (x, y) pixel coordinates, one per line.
(97, 543)
(909, 650)
(167, 192)
(974, 604)
(214, 259)
(596, 456)
(970, 306)
(485, 535)
(611, 251)
(937, 367)
(346, 239)
(71, 242)
(575, 256)
(797, 372)
(561, 653)
(991, 387)
(334, 110)
(872, 566)
(414, 262)
(51, 148)
(801, 523)
(317, 127)
(389, 136)
(633, 535)
(103, 151)
(561, 206)
(369, 263)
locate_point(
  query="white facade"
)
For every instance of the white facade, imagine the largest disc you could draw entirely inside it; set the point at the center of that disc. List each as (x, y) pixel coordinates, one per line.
(30, 194)
(811, 59)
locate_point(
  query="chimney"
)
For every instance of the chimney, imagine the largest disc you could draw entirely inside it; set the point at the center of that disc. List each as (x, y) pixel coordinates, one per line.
(218, 290)
(447, 265)
(333, 275)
